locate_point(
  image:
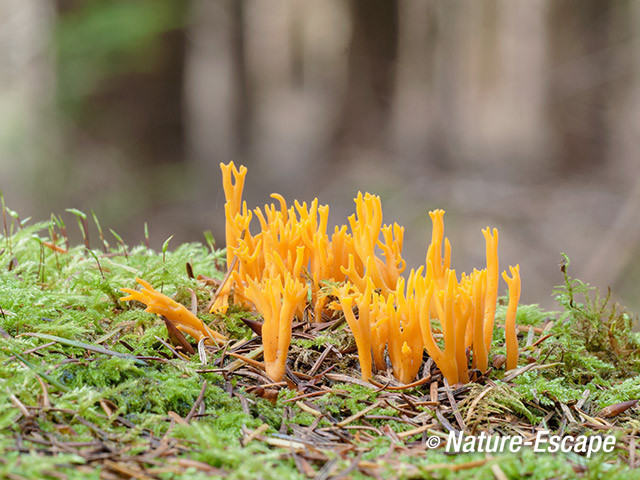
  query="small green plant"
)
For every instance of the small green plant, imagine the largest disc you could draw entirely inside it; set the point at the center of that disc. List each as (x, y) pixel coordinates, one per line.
(597, 325)
(105, 244)
(82, 224)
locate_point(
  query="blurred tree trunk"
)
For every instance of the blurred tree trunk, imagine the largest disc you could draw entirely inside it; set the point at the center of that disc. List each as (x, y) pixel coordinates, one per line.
(580, 57)
(242, 113)
(138, 110)
(371, 74)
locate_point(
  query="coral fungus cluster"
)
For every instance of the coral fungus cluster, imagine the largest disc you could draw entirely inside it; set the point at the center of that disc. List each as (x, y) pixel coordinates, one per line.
(357, 269)
(292, 253)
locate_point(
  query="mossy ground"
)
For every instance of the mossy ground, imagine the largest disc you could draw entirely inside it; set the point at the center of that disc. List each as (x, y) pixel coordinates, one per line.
(136, 409)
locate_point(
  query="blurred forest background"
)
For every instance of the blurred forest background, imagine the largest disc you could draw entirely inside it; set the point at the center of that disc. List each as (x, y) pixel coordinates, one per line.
(519, 114)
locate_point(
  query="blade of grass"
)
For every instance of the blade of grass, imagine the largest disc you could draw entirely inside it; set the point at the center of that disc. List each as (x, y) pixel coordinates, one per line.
(165, 247)
(85, 346)
(7, 237)
(63, 229)
(208, 237)
(82, 223)
(146, 235)
(121, 242)
(105, 244)
(95, 257)
(37, 371)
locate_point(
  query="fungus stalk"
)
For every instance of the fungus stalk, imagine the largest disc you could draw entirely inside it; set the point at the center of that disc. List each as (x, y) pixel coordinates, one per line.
(178, 314)
(493, 277)
(233, 184)
(478, 297)
(359, 327)
(443, 359)
(511, 338)
(405, 343)
(277, 301)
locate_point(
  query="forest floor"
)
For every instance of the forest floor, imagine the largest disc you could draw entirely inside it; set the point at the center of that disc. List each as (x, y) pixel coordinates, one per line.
(92, 387)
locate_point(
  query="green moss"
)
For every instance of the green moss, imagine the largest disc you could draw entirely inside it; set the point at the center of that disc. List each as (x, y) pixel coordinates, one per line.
(216, 443)
(629, 389)
(533, 386)
(526, 314)
(341, 339)
(232, 323)
(76, 296)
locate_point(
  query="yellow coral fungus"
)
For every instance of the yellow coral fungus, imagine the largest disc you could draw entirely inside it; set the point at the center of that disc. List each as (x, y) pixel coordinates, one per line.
(466, 310)
(511, 339)
(235, 222)
(445, 360)
(452, 308)
(379, 326)
(405, 343)
(391, 247)
(439, 263)
(184, 320)
(293, 253)
(493, 276)
(478, 300)
(276, 299)
(359, 326)
(341, 247)
(366, 226)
